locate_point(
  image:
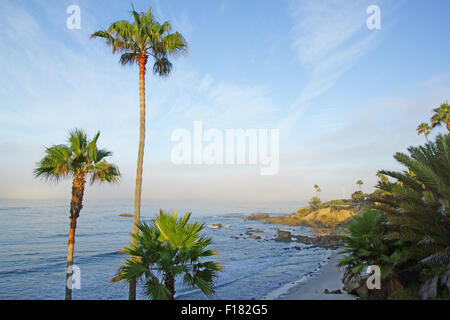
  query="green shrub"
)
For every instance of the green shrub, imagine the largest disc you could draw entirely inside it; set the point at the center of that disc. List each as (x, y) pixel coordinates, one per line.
(315, 203)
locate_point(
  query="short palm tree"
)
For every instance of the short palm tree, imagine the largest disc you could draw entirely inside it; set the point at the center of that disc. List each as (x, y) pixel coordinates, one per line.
(166, 249)
(441, 116)
(138, 41)
(79, 160)
(424, 128)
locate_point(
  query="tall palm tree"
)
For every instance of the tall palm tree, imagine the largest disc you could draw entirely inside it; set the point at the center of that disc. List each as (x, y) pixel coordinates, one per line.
(441, 115)
(424, 128)
(318, 190)
(138, 41)
(167, 248)
(79, 160)
(360, 183)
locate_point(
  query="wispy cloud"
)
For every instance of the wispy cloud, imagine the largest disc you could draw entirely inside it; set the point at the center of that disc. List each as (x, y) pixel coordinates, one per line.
(329, 38)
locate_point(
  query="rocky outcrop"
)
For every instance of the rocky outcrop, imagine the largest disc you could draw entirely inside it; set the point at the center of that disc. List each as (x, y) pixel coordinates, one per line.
(325, 220)
(260, 216)
(338, 291)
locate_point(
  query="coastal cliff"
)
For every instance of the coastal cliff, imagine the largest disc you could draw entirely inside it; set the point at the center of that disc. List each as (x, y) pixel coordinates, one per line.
(326, 220)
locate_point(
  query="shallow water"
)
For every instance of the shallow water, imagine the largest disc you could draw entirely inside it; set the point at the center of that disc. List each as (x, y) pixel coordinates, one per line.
(33, 248)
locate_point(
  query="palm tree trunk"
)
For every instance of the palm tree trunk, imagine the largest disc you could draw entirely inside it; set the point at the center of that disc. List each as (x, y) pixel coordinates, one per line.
(140, 161)
(76, 204)
(169, 283)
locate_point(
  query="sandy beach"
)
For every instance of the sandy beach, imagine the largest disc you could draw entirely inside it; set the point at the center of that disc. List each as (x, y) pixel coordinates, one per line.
(329, 277)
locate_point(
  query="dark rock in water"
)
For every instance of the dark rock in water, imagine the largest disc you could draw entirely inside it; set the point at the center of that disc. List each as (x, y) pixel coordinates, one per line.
(332, 292)
(283, 236)
(322, 241)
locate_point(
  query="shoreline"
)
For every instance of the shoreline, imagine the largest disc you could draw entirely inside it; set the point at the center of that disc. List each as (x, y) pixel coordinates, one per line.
(312, 287)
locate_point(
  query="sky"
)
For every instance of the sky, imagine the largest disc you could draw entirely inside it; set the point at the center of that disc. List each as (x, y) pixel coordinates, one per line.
(343, 97)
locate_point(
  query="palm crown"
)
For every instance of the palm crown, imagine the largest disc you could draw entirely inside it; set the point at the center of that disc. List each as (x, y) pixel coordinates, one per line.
(80, 157)
(424, 128)
(360, 183)
(441, 115)
(143, 38)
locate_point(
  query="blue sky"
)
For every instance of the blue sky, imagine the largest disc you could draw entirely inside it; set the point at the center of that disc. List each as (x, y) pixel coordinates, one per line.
(345, 98)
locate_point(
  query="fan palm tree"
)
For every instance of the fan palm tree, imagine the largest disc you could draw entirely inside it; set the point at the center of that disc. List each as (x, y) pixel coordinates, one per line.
(424, 128)
(79, 160)
(138, 41)
(441, 115)
(165, 249)
(360, 183)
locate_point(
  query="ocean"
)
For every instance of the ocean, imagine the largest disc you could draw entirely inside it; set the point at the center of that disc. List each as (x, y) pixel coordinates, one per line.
(33, 249)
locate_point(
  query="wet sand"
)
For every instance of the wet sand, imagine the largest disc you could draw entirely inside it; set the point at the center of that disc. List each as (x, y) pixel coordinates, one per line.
(329, 277)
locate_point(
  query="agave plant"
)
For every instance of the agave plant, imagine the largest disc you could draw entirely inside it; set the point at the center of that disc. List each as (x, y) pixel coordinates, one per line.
(166, 249)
